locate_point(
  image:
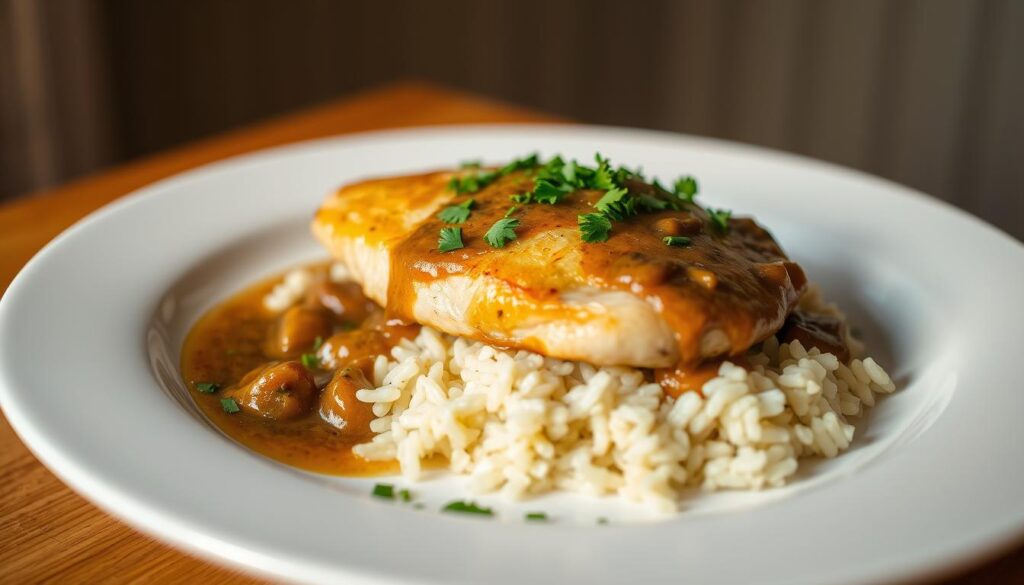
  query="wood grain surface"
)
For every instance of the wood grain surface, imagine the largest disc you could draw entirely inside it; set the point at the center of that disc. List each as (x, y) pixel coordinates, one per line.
(50, 534)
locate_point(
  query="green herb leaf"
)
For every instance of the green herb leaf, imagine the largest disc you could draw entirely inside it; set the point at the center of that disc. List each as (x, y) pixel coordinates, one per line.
(457, 213)
(229, 405)
(511, 210)
(384, 490)
(450, 239)
(686, 188)
(519, 164)
(649, 203)
(317, 342)
(569, 173)
(472, 183)
(405, 495)
(521, 197)
(594, 227)
(207, 387)
(720, 219)
(546, 191)
(676, 241)
(310, 360)
(617, 204)
(470, 164)
(467, 508)
(502, 232)
(537, 516)
(603, 176)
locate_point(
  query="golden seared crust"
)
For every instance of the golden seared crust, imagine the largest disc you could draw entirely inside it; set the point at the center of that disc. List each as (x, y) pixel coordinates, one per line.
(632, 300)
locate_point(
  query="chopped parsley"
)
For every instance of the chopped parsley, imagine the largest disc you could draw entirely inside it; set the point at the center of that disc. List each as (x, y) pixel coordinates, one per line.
(384, 490)
(319, 341)
(473, 182)
(457, 213)
(720, 219)
(502, 232)
(471, 164)
(519, 164)
(405, 495)
(310, 360)
(537, 516)
(546, 191)
(616, 204)
(462, 507)
(554, 180)
(450, 239)
(594, 227)
(676, 241)
(686, 188)
(207, 387)
(229, 405)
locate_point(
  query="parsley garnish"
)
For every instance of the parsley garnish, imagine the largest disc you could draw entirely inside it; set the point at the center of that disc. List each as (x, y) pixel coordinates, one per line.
(646, 202)
(511, 210)
(405, 495)
(537, 516)
(720, 219)
(450, 239)
(457, 213)
(521, 197)
(602, 178)
(686, 188)
(207, 387)
(384, 490)
(546, 191)
(310, 360)
(519, 164)
(502, 232)
(594, 227)
(472, 183)
(229, 405)
(317, 342)
(467, 508)
(677, 241)
(470, 164)
(616, 204)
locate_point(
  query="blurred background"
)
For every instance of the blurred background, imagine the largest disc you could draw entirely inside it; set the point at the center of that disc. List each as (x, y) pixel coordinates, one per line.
(926, 93)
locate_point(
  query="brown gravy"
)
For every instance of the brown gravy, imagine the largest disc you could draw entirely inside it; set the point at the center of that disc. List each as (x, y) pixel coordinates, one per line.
(739, 284)
(228, 342)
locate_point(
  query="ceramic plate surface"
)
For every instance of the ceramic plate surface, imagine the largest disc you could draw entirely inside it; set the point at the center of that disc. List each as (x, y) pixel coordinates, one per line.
(91, 330)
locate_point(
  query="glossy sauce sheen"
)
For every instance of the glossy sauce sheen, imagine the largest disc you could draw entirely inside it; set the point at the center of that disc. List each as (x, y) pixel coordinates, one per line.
(228, 342)
(739, 284)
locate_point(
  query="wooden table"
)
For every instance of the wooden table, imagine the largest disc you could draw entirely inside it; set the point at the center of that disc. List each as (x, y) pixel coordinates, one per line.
(49, 533)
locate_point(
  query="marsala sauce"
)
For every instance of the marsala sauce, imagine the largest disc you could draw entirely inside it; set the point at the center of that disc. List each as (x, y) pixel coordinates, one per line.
(738, 285)
(228, 342)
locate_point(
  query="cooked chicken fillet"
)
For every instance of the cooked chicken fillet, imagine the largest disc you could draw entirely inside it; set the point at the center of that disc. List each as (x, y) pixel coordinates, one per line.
(631, 300)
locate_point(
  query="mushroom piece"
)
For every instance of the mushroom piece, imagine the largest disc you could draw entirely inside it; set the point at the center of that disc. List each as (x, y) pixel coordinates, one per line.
(277, 391)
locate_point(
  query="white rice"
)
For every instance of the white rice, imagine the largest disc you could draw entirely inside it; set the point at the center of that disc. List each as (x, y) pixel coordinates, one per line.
(519, 423)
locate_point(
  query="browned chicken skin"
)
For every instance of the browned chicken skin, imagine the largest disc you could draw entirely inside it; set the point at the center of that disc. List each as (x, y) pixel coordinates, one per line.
(631, 300)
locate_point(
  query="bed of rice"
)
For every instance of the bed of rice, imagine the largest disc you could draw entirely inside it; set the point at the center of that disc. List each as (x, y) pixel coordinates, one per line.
(520, 423)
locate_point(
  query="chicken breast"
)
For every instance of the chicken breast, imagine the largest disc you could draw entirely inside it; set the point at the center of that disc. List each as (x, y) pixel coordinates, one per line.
(638, 299)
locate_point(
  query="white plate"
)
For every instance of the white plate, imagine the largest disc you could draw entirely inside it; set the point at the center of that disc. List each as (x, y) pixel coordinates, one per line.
(90, 333)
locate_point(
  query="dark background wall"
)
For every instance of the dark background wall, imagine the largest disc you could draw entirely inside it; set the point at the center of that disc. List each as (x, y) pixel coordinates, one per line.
(928, 93)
